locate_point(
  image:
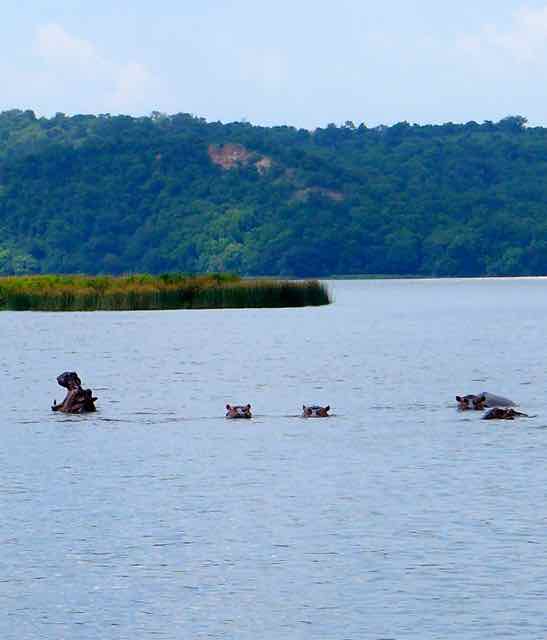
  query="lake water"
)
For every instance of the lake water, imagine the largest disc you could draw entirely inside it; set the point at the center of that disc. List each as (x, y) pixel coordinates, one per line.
(396, 518)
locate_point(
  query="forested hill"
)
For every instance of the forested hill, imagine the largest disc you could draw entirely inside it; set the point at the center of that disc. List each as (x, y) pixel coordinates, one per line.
(92, 194)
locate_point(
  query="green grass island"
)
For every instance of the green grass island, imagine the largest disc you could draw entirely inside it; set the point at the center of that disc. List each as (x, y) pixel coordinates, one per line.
(149, 292)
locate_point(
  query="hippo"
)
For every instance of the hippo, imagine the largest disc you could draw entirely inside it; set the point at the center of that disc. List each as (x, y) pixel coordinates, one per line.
(77, 400)
(482, 401)
(315, 411)
(238, 411)
(503, 413)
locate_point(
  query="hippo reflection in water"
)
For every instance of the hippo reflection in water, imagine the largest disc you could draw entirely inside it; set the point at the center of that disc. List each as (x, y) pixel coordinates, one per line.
(482, 401)
(503, 413)
(238, 411)
(77, 399)
(315, 411)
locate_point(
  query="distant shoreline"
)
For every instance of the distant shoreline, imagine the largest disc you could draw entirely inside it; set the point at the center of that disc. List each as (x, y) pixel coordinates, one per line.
(428, 277)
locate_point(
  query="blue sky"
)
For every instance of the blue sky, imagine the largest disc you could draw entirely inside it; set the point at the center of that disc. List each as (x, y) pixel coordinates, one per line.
(304, 63)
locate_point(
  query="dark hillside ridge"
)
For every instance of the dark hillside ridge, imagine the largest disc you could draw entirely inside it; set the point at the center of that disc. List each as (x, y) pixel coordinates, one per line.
(116, 194)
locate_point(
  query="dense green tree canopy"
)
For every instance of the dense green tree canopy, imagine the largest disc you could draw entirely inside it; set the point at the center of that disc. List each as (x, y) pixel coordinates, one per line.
(114, 194)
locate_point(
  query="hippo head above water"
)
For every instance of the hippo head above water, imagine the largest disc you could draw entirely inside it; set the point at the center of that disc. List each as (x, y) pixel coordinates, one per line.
(471, 402)
(238, 411)
(315, 411)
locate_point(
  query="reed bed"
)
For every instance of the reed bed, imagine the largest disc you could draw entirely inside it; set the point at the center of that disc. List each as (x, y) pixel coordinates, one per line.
(142, 292)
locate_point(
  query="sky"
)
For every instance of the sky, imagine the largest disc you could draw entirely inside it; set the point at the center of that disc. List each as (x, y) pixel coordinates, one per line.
(304, 63)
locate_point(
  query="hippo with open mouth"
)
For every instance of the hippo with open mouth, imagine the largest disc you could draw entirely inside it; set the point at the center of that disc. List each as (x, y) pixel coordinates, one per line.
(77, 399)
(238, 411)
(482, 401)
(315, 411)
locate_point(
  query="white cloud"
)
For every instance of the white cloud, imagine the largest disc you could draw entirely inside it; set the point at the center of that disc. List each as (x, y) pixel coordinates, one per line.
(525, 41)
(54, 44)
(79, 77)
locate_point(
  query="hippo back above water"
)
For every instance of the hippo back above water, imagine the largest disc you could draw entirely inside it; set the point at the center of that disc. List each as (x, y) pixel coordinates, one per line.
(503, 413)
(484, 400)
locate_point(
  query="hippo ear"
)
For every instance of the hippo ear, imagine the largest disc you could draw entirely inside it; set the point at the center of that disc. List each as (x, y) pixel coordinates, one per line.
(248, 406)
(303, 407)
(228, 407)
(458, 398)
(327, 408)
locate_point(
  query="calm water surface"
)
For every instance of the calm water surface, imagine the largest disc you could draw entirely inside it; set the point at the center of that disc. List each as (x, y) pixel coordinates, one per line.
(396, 518)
